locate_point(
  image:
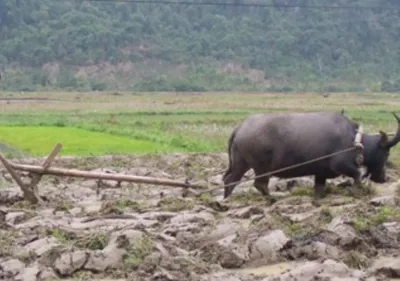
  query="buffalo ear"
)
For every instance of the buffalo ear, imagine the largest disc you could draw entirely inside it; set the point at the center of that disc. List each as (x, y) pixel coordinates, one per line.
(384, 139)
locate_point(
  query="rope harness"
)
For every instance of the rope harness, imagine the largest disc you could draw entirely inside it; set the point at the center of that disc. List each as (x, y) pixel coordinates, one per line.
(359, 161)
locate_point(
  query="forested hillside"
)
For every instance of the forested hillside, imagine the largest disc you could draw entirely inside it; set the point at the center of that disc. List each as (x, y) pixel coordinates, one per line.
(99, 45)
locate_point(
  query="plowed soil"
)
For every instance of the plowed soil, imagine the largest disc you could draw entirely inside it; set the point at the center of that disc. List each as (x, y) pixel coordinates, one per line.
(103, 230)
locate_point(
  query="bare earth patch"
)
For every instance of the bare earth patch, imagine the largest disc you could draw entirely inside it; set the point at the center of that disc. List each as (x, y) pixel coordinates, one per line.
(91, 230)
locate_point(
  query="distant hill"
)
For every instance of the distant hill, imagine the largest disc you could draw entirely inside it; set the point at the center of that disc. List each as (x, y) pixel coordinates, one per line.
(99, 45)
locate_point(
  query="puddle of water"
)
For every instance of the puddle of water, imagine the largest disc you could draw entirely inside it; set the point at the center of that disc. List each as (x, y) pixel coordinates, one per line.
(268, 270)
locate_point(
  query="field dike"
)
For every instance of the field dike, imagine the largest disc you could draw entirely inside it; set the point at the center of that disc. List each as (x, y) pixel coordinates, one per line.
(93, 230)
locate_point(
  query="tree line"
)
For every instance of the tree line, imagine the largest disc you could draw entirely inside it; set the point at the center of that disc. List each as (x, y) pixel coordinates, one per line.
(340, 49)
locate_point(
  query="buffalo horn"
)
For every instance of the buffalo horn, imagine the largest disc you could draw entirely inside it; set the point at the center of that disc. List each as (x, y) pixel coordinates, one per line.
(396, 137)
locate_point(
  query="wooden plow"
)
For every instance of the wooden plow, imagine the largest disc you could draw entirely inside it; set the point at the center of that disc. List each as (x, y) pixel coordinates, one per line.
(30, 190)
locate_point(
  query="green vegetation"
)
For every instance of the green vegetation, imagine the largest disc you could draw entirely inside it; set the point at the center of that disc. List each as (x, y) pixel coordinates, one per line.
(63, 206)
(61, 235)
(325, 214)
(383, 214)
(105, 123)
(96, 241)
(98, 46)
(251, 196)
(93, 242)
(5, 243)
(175, 204)
(356, 260)
(291, 228)
(302, 191)
(37, 141)
(135, 206)
(137, 252)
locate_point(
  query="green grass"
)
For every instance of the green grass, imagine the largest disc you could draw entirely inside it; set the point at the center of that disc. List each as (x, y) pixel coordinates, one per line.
(103, 123)
(38, 141)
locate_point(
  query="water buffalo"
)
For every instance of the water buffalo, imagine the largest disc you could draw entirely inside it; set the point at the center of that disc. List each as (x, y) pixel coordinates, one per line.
(268, 142)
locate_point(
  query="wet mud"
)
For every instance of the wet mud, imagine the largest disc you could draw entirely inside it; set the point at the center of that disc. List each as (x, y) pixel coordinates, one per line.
(102, 230)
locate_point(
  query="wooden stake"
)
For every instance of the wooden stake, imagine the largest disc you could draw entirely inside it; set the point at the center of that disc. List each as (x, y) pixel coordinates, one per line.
(103, 176)
(28, 193)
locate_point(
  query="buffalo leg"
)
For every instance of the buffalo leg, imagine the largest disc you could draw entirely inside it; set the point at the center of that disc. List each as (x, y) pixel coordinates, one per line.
(319, 186)
(233, 175)
(261, 184)
(366, 174)
(352, 172)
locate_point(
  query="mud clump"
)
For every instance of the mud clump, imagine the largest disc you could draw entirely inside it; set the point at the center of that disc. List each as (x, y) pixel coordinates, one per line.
(129, 231)
(327, 270)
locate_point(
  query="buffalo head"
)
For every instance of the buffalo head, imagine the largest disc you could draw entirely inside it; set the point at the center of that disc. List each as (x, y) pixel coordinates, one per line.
(376, 153)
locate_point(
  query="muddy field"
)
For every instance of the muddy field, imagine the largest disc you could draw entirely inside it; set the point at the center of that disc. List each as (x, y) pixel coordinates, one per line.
(92, 230)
